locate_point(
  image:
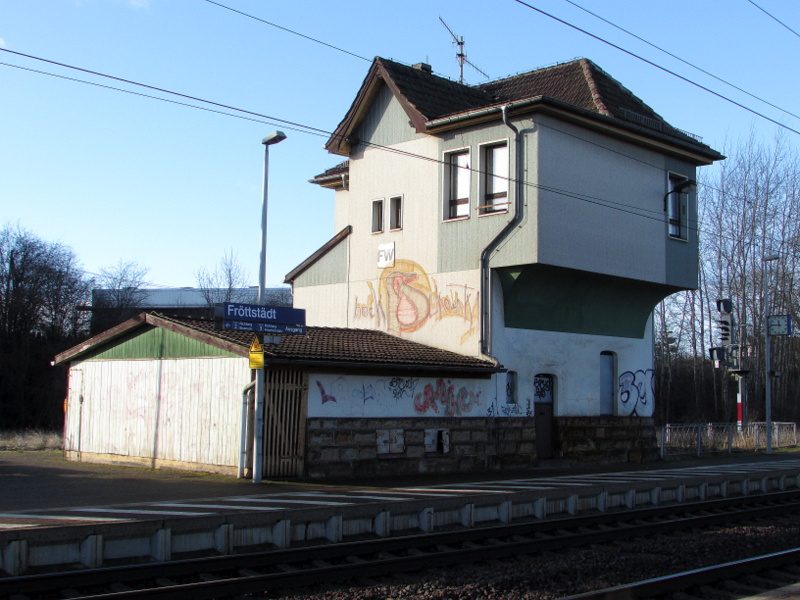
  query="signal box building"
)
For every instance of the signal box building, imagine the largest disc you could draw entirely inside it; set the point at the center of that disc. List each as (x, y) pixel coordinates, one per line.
(535, 221)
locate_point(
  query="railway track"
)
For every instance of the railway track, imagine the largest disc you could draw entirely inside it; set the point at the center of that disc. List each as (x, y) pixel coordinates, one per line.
(738, 579)
(229, 575)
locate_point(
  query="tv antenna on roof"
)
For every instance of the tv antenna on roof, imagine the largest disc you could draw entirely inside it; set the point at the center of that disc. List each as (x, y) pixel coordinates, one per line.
(461, 55)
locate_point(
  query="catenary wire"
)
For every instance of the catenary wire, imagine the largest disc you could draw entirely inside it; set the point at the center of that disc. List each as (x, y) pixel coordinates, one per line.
(163, 91)
(636, 211)
(686, 62)
(657, 66)
(286, 29)
(771, 16)
(256, 119)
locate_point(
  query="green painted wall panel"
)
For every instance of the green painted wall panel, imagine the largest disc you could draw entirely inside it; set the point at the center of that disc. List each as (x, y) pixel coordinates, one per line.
(331, 268)
(548, 298)
(155, 343)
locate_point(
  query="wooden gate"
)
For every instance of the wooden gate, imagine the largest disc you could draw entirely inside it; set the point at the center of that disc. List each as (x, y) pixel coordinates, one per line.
(285, 409)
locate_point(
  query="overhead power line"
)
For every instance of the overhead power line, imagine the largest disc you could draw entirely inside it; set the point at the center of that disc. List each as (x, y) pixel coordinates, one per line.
(686, 62)
(776, 19)
(157, 89)
(655, 215)
(657, 66)
(287, 30)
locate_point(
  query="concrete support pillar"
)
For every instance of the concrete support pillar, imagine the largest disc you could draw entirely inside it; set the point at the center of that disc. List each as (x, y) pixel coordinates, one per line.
(161, 545)
(92, 551)
(15, 557)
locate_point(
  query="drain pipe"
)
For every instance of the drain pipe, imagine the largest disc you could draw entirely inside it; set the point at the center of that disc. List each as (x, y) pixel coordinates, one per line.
(244, 436)
(486, 273)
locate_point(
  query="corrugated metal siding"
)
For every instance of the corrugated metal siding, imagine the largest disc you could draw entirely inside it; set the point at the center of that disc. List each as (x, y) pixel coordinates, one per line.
(185, 410)
(156, 343)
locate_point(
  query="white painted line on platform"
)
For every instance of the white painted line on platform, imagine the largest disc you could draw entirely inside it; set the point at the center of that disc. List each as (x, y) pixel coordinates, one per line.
(286, 501)
(356, 494)
(451, 491)
(131, 511)
(216, 506)
(28, 516)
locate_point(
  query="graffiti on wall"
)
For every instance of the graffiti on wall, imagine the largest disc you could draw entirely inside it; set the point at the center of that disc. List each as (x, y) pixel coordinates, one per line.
(406, 299)
(360, 396)
(443, 395)
(636, 393)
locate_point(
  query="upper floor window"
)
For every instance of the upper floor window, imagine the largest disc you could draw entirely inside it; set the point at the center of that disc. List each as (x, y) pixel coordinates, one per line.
(396, 212)
(377, 216)
(495, 179)
(458, 181)
(677, 206)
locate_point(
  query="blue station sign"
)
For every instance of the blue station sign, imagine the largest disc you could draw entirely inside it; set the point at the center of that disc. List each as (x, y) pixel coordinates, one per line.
(259, 318)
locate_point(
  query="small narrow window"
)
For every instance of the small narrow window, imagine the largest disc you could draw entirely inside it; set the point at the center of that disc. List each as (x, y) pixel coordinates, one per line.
(511, 387)
(495, 179)
(608, 390)
(458, 184)
(377, 216)
(396, 212)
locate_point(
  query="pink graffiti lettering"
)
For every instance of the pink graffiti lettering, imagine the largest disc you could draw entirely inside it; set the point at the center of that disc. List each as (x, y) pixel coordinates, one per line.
(444, 394)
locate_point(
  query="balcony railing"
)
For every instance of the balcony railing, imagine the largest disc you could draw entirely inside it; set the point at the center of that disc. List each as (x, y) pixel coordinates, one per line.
(675, 440)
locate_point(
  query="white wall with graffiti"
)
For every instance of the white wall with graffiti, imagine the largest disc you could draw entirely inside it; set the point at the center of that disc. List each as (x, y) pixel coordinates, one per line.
(360, 396)
(575, 364)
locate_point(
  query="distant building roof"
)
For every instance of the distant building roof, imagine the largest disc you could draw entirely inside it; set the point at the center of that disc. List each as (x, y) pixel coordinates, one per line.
(321, 347)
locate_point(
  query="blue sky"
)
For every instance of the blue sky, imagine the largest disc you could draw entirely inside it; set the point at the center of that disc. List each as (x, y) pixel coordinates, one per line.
(119, 177)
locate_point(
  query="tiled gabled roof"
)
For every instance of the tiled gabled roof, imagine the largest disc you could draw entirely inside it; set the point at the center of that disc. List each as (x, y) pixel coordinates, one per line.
(578, 86)
(320, 347)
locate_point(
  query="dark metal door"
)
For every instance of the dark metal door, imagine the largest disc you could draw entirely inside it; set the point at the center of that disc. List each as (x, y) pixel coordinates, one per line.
(543, 415)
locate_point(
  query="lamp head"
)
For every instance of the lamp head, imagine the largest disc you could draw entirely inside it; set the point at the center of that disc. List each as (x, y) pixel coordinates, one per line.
(771, 257)
(274, 138)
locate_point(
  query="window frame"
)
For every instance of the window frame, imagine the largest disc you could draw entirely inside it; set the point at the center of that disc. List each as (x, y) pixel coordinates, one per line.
(377, 216)
(396, 212)
(490, 175)
(457, 179)
(676, 208)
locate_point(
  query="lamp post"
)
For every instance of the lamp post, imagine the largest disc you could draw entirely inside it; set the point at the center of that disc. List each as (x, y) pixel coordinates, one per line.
(258, 437)
(272, 138)
(767, 361)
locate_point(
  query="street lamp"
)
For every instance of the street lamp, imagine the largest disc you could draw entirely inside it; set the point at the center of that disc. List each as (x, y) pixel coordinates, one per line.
(258, 436)
(272, 138)
(767, 361)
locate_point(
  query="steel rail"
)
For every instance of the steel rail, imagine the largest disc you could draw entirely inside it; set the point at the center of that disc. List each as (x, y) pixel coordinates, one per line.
(681, 582)
(231, 574)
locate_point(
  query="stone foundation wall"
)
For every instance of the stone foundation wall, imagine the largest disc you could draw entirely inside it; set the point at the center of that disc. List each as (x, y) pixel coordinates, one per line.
(395, 446)
(606, 439)
(378, 447)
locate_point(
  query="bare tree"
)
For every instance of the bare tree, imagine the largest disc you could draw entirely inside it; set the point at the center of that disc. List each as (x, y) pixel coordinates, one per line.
(226, 283)
(119, 294)
(41, 286)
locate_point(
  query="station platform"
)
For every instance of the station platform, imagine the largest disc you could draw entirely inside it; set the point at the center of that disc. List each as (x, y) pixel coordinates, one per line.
(57, 515)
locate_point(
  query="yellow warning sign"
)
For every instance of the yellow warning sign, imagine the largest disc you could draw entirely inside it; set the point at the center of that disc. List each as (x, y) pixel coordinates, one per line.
(256, 354)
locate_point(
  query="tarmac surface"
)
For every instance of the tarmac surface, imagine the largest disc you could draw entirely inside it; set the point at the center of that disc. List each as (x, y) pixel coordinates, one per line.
(35, 480)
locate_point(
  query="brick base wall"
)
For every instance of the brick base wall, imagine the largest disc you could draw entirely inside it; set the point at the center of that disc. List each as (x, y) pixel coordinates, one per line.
(353, 447)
